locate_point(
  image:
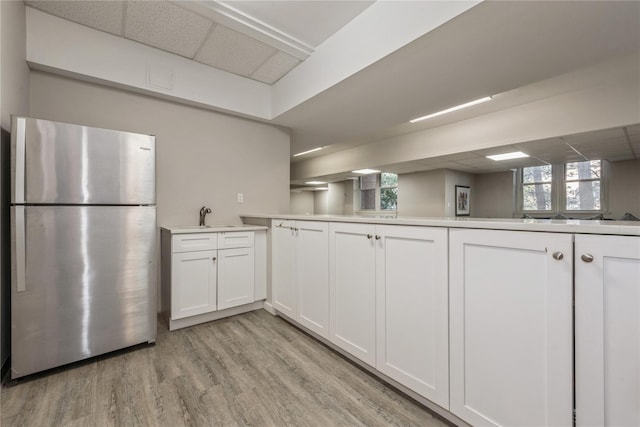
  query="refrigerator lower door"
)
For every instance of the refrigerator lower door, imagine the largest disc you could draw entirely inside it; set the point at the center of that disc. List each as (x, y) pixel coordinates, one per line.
(88, 285)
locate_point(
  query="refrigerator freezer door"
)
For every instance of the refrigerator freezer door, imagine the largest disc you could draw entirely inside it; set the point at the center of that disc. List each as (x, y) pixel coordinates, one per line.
(90, 284)
(72, 164)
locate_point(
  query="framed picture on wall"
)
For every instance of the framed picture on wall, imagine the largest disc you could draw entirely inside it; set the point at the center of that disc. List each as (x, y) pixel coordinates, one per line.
(462, 200)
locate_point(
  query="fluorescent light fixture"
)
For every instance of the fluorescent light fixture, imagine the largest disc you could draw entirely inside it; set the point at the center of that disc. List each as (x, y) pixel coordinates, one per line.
(366, 171)
(315, 182)
(508, 156)
(449, 110)
(321, 188)
(308, 151)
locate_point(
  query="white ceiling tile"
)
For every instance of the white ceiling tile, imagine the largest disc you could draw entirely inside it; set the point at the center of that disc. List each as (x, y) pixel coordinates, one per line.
(616, 157)
(634, 138)
(480, 162)
(166, 26)
(600, 135)
(232, 51)
(621, 140)
(461, 156)
(101, 15)
(633, 130)
(275, 68)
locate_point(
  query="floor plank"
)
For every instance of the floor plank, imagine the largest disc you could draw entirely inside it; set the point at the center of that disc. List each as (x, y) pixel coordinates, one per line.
(252, 369)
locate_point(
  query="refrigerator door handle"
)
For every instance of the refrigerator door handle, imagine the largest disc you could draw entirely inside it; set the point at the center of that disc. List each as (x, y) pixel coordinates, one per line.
(20, 126)
(20, 249)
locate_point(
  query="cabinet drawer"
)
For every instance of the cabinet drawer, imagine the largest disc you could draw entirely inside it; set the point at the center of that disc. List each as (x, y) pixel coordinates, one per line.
(235, 239)
(194, 242)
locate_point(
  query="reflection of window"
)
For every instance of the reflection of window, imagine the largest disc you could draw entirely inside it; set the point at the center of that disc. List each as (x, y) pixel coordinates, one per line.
(563, 188)
(379, 192)
(536, 188)
(368, 185)
(388, 191)
(582, 185)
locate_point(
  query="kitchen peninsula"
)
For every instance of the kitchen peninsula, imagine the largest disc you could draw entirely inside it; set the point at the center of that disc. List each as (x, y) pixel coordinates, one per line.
(472, 317)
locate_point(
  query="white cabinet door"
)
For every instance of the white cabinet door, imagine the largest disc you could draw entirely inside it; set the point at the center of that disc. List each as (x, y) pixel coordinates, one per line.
(352, 289)
(283, 259)
(235, 277)
(193, 283)
(607, 286)
(412, 309)
(312, 275)
(511, 327)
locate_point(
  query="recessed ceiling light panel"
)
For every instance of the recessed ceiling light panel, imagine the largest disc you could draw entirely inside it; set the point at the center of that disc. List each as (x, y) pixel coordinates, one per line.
(366, 171)
(315, 182)
(508, 156)
(307, 152)
(449, 110)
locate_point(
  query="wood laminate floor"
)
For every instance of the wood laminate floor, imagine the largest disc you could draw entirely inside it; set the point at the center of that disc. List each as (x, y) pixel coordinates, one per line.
(248, 370)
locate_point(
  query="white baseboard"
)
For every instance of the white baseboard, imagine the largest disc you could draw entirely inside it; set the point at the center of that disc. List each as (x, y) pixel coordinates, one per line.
(214, 315)
(269, 307)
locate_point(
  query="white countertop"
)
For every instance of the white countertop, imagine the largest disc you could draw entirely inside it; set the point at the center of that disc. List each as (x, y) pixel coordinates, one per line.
(631, 228)
(184, 229)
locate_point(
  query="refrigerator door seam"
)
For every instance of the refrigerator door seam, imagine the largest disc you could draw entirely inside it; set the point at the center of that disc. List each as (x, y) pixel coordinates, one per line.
(20, 249)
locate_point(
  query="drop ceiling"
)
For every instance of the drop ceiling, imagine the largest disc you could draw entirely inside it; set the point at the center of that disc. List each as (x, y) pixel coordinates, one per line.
(260, 40)
(495, 48)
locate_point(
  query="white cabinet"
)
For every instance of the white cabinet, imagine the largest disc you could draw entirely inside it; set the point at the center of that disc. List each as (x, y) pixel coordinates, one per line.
(194, 283)
(300, 272)
(511, 327)
(352, 284)
(235, 269)
(283, 274)
(193, 273)
(206, 272)
(412, 323)
(607, 292)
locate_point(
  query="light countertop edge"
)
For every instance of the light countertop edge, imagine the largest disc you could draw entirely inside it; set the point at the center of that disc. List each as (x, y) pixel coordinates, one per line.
(628, 228)
(182, 229)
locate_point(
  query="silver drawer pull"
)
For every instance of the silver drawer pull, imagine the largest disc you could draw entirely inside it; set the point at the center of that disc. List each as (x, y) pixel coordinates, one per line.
(587, 257)
(558, 255)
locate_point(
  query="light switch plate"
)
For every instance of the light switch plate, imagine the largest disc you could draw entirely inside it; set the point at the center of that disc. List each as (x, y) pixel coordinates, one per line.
(240, 198)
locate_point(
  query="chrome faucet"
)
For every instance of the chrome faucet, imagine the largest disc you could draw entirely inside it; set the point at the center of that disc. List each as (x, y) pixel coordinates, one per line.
(203, 213)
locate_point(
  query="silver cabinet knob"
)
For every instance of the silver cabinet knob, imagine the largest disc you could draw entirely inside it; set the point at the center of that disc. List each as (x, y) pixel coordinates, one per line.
(558, 255)
(378, 237)
(586, 257)
(369, 236)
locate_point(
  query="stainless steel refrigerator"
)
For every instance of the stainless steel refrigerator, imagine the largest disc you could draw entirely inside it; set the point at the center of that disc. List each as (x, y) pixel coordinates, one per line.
(83, 236)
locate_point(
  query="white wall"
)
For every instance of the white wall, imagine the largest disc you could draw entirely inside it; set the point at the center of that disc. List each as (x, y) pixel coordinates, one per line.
(301, 202)
(336, 198)
(14, 99)
(624, 188)
(493, 195)
(321, 202)
(14, 85)
(422, 193)
(202, 157)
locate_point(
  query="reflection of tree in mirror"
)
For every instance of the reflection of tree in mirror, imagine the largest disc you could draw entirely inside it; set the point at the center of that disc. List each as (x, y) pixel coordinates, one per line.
(583, 185)
(389, 198)
(388, 191)
(536, 188)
